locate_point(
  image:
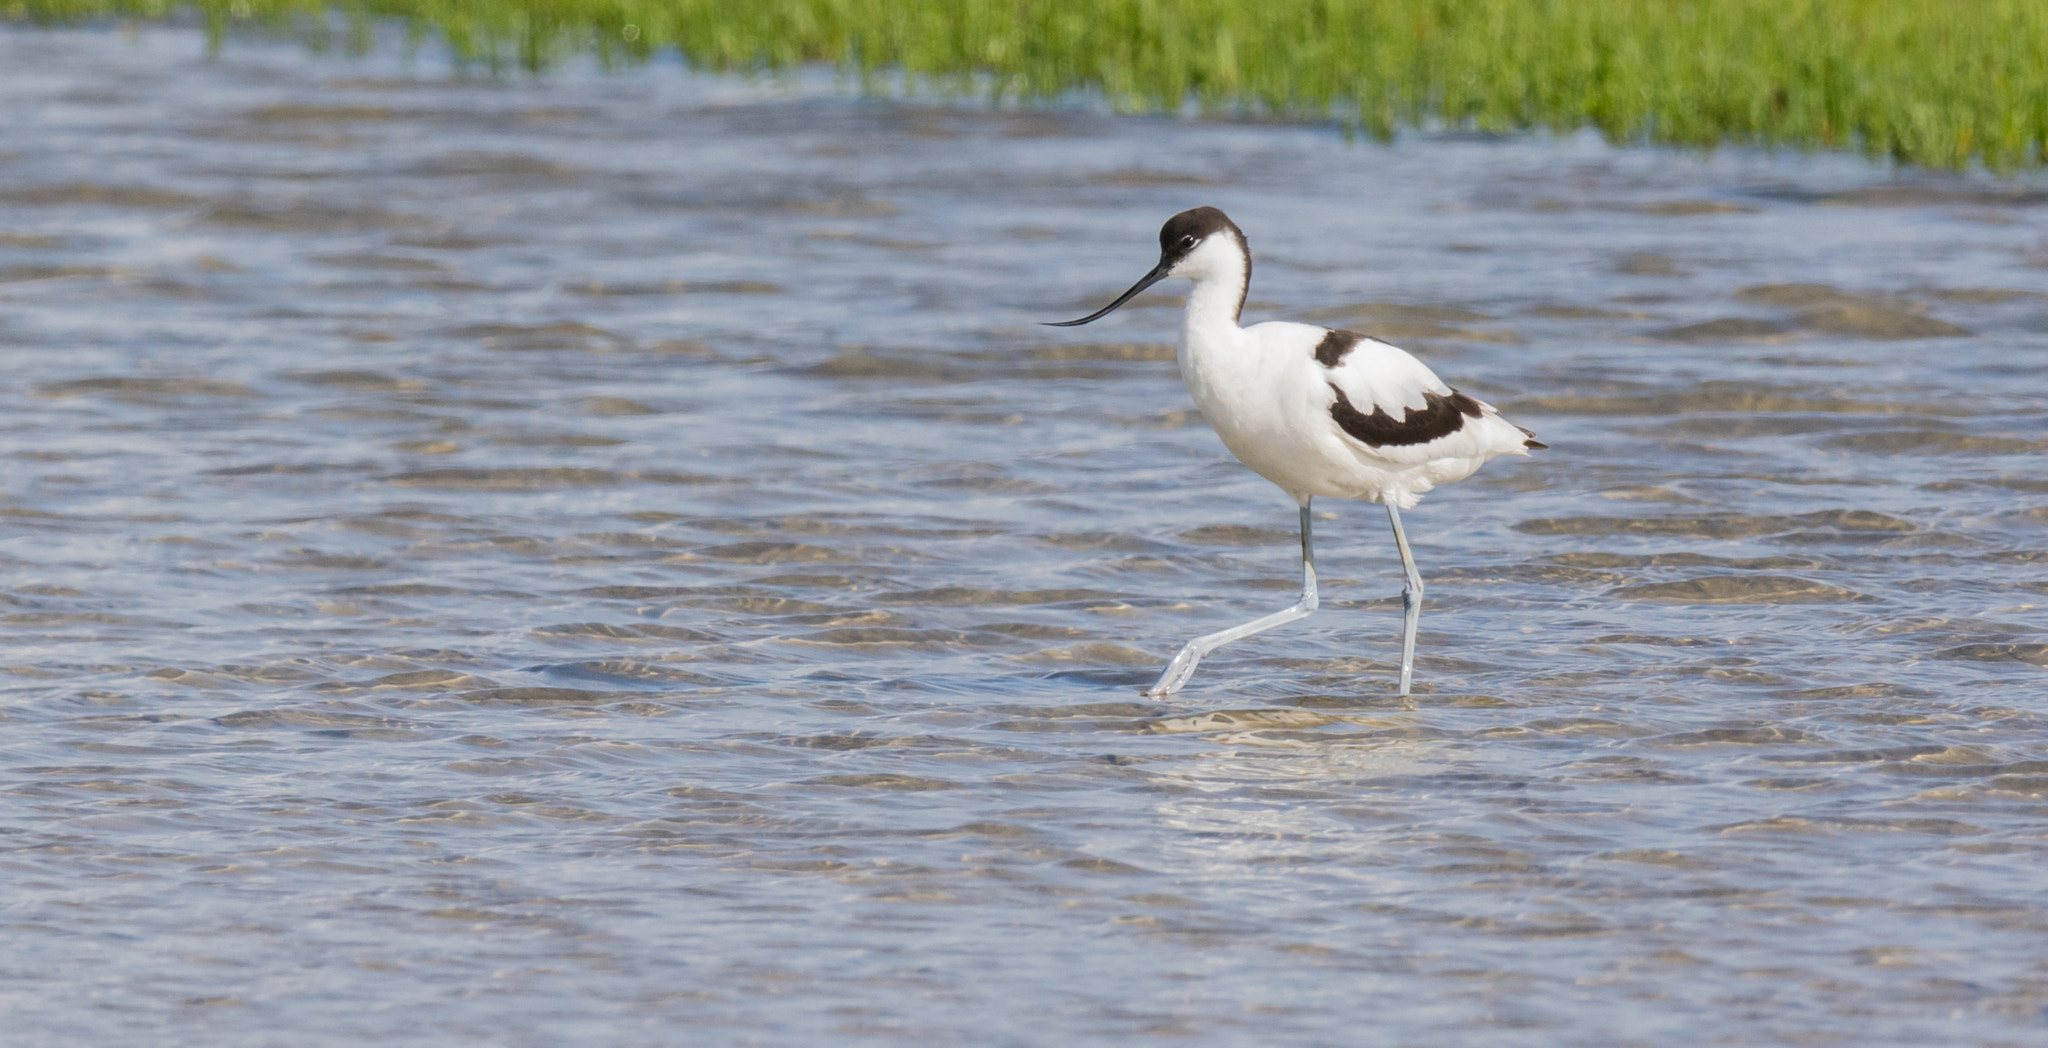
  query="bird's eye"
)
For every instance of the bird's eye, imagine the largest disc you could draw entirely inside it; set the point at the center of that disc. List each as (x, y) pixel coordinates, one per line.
(1189, 239)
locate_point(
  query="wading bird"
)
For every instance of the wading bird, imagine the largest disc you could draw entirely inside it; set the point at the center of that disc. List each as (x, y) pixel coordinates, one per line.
(1314, 410)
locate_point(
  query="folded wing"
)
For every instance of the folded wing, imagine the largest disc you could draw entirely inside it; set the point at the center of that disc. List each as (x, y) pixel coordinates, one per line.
(1391, 406)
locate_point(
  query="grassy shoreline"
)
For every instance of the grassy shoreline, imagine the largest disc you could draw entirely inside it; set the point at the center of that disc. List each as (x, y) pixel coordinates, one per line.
(1940, 83)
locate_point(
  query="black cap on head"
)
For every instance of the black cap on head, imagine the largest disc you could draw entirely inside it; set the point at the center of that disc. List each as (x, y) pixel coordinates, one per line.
(1191, 227)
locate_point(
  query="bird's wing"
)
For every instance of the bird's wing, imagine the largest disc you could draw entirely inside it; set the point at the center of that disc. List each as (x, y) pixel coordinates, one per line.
(1393, 407)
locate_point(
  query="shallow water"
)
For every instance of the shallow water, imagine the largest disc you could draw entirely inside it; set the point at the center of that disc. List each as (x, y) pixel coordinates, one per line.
(613, 560)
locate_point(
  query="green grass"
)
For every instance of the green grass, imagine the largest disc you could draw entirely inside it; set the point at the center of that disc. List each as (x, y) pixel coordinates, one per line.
(1942, 83)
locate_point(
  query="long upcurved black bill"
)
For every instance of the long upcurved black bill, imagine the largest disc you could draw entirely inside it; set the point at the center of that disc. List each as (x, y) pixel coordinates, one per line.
(1158, 274)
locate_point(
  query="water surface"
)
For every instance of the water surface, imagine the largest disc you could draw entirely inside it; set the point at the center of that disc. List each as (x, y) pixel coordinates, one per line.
(614, 560)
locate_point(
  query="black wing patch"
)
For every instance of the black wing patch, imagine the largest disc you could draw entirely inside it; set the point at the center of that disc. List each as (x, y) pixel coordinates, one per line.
(1330, 351)
(1440, 416)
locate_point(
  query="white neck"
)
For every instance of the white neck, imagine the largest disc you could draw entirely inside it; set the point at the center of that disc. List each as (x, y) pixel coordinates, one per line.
(1219, 291)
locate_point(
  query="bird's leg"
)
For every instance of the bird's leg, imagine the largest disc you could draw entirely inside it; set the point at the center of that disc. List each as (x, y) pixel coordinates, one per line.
(1411, 600)
(1183, 665)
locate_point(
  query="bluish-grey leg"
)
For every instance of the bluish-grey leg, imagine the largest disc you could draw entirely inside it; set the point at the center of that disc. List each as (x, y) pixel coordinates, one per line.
(1411, 600)
(1183, 665)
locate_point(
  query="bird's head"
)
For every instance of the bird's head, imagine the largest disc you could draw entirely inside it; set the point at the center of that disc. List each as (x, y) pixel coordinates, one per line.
(1197, 243)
